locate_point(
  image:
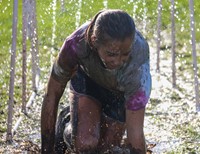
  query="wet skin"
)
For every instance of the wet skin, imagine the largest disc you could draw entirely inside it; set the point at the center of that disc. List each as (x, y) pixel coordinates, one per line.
(94, 130)
(115, 53)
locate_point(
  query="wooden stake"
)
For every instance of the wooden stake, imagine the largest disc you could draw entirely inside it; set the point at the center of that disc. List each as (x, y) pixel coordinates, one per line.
(158, 33)
(24, 54)
(194, 54)
(12, 72)
(173, 45)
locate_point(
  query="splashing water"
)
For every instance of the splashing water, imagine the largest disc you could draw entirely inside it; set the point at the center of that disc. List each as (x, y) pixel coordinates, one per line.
(78, 14)
(105, 4)
(53, 28)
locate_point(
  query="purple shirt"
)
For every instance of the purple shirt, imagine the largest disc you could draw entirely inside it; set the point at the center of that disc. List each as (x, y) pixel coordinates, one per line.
(133, 78)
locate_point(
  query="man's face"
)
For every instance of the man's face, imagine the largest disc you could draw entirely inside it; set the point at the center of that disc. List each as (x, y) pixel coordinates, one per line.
(115, 53)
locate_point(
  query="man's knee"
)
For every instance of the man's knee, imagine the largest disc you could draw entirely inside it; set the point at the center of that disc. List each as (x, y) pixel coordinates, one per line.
(112, 133)
(87, 142)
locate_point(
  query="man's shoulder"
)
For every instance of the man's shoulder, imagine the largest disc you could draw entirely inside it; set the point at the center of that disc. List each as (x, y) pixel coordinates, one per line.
(76, 44)
(79, 32)
(75, 39)
(140, 40)
(140, 52)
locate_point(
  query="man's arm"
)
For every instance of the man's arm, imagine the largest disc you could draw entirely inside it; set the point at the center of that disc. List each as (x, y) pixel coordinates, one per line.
(49, 114)
(134, 123)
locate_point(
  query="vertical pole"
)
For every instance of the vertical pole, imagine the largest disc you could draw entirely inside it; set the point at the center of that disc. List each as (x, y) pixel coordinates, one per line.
(173, 45)
(78, 14)
(53, 29)
(24, 55)
(135, 6)
(62, 4)
(158, 34)
(194, 55)
(12, 72)
(34, 50)
(105, 4)
(144, 16)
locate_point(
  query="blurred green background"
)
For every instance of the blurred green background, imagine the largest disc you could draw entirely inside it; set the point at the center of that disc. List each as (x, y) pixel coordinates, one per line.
(144, 12)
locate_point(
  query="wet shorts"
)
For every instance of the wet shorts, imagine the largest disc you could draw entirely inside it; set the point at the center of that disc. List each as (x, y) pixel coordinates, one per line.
(112, 102)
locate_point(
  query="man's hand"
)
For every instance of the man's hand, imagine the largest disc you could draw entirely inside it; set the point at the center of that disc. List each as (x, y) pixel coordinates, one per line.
(135, 134)
(49, 115)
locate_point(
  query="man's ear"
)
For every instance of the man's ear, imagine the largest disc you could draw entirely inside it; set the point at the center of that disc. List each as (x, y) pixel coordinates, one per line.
(93, 40)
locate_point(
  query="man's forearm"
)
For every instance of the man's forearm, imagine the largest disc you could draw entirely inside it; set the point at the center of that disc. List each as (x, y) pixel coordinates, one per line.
(139, 148)
(135, 133)
(48, 120)
(47, 144)
(137, 145)
(49, 114)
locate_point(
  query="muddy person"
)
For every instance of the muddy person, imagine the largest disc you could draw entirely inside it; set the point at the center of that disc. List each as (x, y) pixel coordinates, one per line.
(106, 63)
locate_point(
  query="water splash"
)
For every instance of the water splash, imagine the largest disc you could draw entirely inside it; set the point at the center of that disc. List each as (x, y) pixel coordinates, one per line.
(53, 28)
(135, 7)
(144, 16)
(105, 4)
(62, 5)
(78, 14)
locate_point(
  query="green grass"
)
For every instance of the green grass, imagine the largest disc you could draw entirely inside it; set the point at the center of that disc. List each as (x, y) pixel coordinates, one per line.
(144, 13)
(190, 136)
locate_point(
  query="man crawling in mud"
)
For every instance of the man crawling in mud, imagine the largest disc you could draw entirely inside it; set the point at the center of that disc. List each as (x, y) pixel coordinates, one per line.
(106, 62)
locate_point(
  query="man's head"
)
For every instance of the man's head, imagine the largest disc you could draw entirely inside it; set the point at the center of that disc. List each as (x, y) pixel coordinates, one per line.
(112, 33)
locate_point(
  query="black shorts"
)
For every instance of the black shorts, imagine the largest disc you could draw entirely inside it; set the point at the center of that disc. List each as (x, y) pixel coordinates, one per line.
(112, 102)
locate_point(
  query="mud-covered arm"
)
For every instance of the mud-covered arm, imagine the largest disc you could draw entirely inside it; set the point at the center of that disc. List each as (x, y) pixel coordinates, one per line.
(135, 110)
(49, 114)
(137, 93)
(63, 68)
(135, 134)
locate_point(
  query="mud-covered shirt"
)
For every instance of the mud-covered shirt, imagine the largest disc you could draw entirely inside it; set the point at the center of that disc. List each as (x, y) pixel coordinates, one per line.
(133, 78)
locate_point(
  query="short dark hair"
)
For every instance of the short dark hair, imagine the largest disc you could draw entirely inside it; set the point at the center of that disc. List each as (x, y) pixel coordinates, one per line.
(110, 25)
